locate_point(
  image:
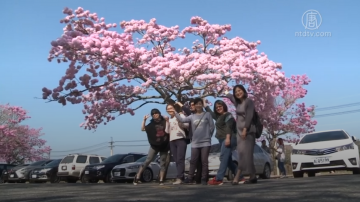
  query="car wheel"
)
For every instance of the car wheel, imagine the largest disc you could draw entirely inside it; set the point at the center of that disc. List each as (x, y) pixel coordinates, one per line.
(55, 179)
(356, 171)
(298, 174)
(311, 174)
(267, 172)
(108, 178)
(147, 175)
(84, 179)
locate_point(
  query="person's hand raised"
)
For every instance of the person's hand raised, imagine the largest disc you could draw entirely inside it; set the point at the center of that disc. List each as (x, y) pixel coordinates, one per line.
(146, 117)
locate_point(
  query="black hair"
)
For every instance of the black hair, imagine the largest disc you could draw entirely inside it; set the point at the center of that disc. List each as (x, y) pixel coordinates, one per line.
(156, 111)
(222, 103)
(191, 100)
(243, 89)
(176, 107)
(197, 100)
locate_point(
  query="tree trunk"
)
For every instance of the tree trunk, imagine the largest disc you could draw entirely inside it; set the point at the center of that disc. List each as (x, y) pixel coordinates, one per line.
(272, 143)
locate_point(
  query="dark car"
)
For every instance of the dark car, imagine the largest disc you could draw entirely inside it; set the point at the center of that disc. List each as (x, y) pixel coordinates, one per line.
(4, 172)
(11, 174)
(102, 171)
(23, 174)
(46, 173)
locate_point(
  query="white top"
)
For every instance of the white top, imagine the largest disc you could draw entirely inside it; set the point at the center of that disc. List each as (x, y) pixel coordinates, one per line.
(280, 153)
(174, 130)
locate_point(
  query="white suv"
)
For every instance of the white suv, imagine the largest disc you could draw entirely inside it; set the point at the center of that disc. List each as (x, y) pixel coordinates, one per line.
(71, 167)
(325, 151)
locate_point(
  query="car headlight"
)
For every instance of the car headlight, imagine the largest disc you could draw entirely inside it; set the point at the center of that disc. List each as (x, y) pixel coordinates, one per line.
(133, 167)
(45, 170)
(99, 167)
(22, 170)
(345, 147)
(298, 152)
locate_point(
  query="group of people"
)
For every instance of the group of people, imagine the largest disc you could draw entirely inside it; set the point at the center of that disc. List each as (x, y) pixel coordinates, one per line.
(172, 134)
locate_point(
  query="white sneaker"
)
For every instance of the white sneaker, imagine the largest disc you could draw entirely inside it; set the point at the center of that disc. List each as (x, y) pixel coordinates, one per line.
(178, 181)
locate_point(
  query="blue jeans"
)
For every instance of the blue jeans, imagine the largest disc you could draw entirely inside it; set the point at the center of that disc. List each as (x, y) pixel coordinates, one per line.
(281, 167)
(226, 158)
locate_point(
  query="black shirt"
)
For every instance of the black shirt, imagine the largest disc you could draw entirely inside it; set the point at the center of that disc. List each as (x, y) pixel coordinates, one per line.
(157, 137)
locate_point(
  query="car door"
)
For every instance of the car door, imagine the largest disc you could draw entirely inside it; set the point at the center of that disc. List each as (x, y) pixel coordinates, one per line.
(81, 162)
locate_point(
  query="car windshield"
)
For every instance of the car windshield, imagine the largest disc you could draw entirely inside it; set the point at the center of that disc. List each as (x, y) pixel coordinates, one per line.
(324, 136)
(114, 158)
(142, 159)
(38, 163)
(54, 163)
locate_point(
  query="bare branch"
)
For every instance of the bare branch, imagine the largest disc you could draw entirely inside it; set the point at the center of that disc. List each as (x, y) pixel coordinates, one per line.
(147, 102)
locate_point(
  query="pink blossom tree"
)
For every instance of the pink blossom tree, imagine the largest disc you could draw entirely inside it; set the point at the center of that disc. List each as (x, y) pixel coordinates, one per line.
(113, 73)
(288, 117)
(19, 143)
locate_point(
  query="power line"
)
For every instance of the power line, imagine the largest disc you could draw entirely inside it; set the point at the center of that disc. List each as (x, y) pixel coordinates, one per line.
(92, 150)
(338, 106)
(80, 148)
(133, 141)
(74, 150)
(337, 113)
(132, 145)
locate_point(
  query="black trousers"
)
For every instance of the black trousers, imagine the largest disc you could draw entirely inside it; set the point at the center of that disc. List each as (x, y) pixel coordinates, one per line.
(199, 155)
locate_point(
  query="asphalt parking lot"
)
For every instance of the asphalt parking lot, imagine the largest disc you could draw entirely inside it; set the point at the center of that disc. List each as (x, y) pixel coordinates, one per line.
(322, 188)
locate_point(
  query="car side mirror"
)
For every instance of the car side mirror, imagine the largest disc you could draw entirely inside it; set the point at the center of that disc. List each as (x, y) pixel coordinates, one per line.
(353, 138)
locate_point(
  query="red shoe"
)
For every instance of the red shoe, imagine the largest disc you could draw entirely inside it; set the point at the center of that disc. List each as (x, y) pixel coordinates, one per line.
(242, 181)
(215, 182)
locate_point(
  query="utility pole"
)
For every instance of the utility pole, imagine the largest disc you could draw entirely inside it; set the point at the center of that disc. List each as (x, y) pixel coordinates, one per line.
(111, 146)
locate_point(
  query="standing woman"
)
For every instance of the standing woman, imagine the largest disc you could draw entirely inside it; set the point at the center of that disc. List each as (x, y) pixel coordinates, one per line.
(177, 141)
(245, 133)
(202, 126)
(226, 134)
(280, 155)
(159, 143)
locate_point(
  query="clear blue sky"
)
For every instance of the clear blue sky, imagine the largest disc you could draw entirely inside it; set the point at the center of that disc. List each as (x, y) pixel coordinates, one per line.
(332, 63)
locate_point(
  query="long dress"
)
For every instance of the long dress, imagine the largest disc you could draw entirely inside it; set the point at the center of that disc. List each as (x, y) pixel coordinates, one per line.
(245, 147)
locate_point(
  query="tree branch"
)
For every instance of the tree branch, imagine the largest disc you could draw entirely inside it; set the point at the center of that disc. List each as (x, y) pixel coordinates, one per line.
(147, 102)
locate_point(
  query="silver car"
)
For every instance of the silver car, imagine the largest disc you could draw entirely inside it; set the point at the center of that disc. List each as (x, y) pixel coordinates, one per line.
(262, 160)
(128, 171)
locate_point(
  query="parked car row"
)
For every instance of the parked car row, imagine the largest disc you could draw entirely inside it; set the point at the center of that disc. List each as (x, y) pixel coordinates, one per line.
(89, 168)
(315, 152)
(262, 160)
